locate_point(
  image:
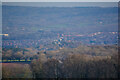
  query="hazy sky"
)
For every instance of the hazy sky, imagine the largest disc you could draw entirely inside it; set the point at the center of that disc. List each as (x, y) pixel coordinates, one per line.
(63, 4)
(60, 0)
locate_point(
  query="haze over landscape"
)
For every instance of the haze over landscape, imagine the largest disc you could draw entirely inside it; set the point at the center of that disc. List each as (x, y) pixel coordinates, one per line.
(45, 22)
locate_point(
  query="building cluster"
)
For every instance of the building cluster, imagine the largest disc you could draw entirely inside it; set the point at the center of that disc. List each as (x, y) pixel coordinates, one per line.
(61, 39)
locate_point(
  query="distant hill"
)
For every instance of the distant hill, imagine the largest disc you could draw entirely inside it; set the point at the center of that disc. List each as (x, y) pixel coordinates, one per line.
(28, 21)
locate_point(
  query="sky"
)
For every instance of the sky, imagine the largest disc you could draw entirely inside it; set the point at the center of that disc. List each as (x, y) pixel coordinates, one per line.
(60, 0)
(62, 4)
